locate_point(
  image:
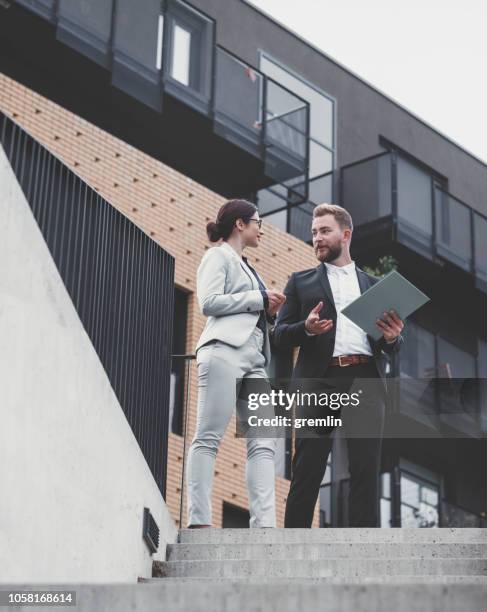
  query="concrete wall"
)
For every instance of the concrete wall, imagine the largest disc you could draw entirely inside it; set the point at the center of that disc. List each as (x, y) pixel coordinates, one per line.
(74, 481)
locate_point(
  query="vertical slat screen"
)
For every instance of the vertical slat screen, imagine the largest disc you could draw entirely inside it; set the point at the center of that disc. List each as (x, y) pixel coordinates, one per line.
(120, 281)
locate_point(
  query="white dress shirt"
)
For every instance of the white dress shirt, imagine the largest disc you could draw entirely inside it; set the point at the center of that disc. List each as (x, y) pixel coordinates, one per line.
(350, 339)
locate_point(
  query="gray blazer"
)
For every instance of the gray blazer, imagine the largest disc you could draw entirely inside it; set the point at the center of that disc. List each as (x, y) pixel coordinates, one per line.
(230, 297)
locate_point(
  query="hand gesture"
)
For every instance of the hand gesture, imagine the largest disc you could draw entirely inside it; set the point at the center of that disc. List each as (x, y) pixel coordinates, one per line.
(313, 324)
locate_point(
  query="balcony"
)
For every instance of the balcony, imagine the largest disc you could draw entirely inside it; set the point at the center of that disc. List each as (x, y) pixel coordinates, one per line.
(289, 205)
(151, 73)
(393, 200)
(440, 384)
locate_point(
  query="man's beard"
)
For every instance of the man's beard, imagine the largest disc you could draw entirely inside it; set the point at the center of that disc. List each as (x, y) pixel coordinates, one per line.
(331, 254)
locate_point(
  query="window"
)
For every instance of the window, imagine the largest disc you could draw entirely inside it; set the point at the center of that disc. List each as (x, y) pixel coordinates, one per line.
(482, 379)
(480, 237)
(420, 495)
(325, 495)
(322, 106)
(453, 362)
(181, 55)
(417, 358)
(460, 397)
(322, 146)
(160, 33)
(419, 502)
(184, 51)
(385, 500)
(414, 198)
(320, 159)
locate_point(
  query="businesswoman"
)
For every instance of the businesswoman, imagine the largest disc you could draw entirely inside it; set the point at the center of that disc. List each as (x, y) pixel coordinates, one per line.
(234, 344)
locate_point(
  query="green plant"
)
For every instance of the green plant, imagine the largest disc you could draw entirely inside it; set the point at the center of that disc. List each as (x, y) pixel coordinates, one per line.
(385, 264)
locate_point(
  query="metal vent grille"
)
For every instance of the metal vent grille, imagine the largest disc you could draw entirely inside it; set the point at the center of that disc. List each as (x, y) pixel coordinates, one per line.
(150, 531)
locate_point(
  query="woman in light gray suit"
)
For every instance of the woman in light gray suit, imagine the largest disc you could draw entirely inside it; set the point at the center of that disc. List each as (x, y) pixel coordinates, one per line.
(234, 344)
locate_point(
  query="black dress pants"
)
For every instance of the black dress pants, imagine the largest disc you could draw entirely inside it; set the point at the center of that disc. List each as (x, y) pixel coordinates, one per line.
(364, 457)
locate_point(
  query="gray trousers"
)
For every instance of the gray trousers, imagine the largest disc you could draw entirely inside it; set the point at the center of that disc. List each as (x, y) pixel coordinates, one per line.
(219, 365)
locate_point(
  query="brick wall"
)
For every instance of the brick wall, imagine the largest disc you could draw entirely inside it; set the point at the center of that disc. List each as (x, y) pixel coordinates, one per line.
(173, 210)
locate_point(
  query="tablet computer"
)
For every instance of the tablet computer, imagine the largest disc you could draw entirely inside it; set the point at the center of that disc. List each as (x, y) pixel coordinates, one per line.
(391, 292)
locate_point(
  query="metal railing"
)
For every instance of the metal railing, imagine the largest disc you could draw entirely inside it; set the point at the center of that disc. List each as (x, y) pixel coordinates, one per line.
(286, 199)
(263, 116)
(185, 408)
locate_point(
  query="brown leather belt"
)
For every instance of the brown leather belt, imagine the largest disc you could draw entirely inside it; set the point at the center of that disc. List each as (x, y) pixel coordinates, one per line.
(346, 360)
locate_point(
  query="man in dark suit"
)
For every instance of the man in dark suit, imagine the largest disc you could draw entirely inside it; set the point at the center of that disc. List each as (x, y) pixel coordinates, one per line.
(333, 347)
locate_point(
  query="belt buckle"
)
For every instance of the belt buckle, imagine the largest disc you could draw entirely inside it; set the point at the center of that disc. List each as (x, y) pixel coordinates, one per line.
(342, 365)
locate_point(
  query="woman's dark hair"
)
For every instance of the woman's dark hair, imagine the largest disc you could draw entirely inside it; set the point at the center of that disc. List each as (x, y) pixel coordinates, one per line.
(226, 217)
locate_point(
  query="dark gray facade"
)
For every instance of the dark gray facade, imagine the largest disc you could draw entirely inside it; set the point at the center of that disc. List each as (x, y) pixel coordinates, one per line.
(363, 113)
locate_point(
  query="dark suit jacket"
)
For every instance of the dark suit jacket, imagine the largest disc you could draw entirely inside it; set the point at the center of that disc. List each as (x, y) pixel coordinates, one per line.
(303, 292)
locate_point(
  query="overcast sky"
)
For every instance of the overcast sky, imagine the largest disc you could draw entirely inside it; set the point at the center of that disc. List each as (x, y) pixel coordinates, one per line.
(428, 55)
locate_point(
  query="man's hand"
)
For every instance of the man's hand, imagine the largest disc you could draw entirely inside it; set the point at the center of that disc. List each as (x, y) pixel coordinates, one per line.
(313, 324)
(276, 300)
(391, 325)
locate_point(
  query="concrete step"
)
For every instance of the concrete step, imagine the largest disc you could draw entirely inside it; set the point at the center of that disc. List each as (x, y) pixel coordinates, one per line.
(237, 597)
(311, 551)
(316, 536)
(377, 580)
(321, 567)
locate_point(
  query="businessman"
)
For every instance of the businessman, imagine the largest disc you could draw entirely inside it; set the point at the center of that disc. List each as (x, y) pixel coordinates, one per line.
(331, 346)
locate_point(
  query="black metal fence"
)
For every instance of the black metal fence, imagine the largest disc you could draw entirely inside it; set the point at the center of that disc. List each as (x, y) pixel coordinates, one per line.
(120, 281)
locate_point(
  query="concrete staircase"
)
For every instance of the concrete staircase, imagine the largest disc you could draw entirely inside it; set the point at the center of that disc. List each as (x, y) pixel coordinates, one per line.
(326, 569)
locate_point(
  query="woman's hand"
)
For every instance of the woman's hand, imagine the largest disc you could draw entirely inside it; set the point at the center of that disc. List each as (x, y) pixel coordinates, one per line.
(276, 300)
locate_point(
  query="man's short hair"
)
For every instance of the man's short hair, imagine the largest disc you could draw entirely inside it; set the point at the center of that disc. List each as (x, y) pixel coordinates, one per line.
(341, 215)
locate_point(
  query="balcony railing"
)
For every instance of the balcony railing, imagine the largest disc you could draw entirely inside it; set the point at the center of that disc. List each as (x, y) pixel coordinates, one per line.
(425, 217)
(260, 115)
(290, 204)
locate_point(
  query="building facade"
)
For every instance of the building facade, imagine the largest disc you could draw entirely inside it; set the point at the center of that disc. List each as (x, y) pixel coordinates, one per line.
(167, 110)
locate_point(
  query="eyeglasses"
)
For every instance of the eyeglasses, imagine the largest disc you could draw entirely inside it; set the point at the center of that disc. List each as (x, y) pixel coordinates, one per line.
(259, 221)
